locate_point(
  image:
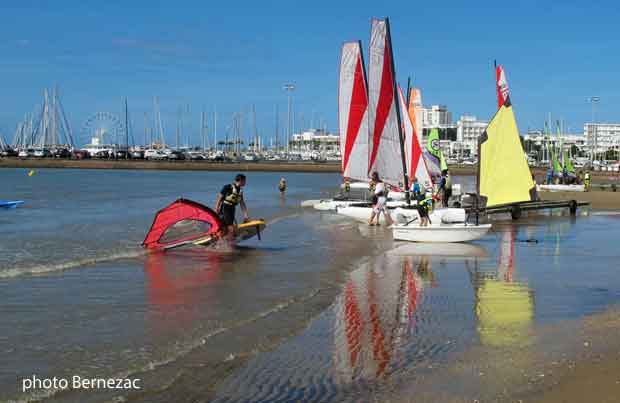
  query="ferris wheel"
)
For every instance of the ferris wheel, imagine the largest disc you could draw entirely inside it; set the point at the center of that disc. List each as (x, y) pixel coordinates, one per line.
(102, 128)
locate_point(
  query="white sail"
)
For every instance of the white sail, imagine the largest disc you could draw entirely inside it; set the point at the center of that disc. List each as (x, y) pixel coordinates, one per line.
(353, 112)
(413, 152)
(384, 134)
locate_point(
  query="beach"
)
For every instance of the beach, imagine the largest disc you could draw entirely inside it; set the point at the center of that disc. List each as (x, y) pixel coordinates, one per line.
(320, 309)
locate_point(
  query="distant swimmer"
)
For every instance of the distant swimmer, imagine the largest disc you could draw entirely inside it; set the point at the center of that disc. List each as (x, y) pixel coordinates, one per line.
(31, 172)
(282, 185)
(229, 197)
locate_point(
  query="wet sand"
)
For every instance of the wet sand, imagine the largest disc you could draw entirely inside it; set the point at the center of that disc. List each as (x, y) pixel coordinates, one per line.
(594, 376)
(597, 200)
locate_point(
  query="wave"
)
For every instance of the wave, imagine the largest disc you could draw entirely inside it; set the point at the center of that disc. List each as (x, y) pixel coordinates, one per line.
(59, 267)
(179, 353)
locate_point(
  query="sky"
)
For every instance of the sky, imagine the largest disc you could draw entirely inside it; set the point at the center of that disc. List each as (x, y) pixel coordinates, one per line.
(230, 55)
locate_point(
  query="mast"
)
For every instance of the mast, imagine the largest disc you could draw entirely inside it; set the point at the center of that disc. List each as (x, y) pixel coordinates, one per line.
(277, 127)
(398, 117)
(215, 127)
(146, 129)
(126, 128)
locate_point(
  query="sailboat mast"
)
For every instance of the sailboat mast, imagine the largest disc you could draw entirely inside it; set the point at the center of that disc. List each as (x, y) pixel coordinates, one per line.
(398, 117)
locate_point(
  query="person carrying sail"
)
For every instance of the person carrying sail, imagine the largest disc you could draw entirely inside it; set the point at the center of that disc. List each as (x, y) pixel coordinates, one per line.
(230, 196)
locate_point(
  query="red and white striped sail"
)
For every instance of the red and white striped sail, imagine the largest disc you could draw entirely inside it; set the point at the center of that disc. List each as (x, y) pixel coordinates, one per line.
(384, 142)
(501, 85)
(413, 152)
(353, 112)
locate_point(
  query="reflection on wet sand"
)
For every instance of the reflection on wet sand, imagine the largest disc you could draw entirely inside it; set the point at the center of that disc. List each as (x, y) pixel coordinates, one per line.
(375, 316)
(504, 307)
(180, 285)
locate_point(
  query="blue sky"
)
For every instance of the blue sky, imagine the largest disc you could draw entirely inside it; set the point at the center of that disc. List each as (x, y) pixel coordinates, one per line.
(237, 53)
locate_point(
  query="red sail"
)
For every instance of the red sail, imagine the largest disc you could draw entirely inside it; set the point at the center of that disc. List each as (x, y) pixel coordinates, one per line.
(502, 87)
(180, 222)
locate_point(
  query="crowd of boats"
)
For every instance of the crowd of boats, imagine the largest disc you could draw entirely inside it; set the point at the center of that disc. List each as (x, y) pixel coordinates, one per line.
(381, 134)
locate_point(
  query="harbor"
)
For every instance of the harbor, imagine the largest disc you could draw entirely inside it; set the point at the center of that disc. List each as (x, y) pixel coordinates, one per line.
(257, 203)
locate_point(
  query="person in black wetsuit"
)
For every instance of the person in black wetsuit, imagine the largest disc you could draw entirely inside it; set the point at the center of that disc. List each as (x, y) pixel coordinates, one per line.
(230, 196)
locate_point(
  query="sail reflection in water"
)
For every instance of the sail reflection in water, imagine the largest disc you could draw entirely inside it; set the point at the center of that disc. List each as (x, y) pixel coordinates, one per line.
(374, 313)
(504, 307)
(390, 320)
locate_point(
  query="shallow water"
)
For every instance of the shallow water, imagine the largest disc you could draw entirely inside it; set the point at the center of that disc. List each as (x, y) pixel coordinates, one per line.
(320, 309)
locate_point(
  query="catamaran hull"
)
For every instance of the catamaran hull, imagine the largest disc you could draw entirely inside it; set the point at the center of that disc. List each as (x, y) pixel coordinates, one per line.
(562, 188)
(333, 205)
(403, 215)
(447, 233)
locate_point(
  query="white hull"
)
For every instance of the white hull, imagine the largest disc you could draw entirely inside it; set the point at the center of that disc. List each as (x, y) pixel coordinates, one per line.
(453, 250)
(402, 215)
(440, 233)
(332, 205)
(562, 188)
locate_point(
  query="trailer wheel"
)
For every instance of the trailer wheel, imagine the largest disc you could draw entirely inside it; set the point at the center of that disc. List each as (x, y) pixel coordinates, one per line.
(515, 212)
(572, 207)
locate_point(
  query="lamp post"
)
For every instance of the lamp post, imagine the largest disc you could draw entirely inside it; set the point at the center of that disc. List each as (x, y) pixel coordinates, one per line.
(289, 88)
(593, 101)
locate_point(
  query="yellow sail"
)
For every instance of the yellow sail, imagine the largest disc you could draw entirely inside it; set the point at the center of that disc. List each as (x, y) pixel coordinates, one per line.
(503, 176)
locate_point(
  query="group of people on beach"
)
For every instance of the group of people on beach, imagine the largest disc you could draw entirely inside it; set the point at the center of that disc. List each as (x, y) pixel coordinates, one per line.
(565, 178)
(421, 194)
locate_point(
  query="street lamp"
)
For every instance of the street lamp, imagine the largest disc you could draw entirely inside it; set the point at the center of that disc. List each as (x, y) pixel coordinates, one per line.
(289, 88)
(593, 101)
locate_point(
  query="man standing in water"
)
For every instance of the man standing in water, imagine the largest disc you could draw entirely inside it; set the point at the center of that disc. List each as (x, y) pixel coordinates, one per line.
(227, 201)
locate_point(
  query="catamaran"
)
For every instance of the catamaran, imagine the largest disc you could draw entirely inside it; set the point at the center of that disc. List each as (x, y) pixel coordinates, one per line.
(562, 168)
(394, 146)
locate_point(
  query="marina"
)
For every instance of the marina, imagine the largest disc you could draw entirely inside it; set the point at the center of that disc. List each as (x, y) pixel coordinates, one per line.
(259, 203)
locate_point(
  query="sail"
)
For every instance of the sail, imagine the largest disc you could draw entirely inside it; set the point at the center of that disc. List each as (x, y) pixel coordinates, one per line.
(504, 176)
(353, 112)
(180, 222)
(432, 153)
(557, 166)
(413, 152)
(568, 165)
(383, 122)
(501, 86)
(415, 112)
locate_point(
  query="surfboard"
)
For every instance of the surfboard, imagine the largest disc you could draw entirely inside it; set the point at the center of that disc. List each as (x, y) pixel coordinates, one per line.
(10, 203)
(244, 231)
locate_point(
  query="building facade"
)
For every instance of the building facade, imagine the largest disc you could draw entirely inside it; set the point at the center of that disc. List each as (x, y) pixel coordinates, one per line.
(601, 137)
(468, 130)
(315, 140)
(436, 116)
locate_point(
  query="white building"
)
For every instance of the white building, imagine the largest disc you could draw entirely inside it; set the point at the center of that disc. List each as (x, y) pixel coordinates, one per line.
(601, 137)
(316, 140)
(436, 116)
(468, 130)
